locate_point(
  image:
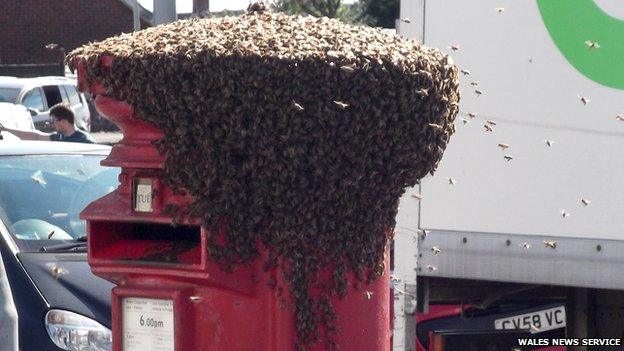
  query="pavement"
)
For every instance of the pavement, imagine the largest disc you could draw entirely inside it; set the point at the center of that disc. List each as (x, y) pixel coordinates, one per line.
(108, 138)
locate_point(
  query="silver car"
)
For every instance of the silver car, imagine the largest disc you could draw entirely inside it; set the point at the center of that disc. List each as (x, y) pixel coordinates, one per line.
(41, 93)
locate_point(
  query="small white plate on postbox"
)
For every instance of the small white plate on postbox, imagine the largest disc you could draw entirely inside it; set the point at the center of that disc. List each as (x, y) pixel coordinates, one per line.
(147, 324)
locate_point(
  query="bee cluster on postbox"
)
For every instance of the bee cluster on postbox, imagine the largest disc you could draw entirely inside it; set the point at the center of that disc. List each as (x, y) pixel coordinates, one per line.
(300, 134)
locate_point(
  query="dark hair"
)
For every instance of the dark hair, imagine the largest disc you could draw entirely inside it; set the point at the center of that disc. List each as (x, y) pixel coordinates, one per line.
(62, 111)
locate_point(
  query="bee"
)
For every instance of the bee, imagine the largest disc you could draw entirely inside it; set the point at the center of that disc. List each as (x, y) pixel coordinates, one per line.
(549, 142)
(592, 44)
(474, 84)
(499, 9)
(620, 118)
(508, 157)
(56, 271)
(463, 120)
(564, 214)
(368, 295)
(584, 100)
(525, 245)
(488, 128)
(348, 69)
(435, 126)
(406, 20)
(465, 72)
(471, 114)
(431, 268)
(454, 47)
(436, 250)
(585, 202)
(341, 104)
(551, 244)
(478, 92)
(195, 298)
(451, 181)
(490, 122)
(297, 106)
(503, 146)
(416, 196)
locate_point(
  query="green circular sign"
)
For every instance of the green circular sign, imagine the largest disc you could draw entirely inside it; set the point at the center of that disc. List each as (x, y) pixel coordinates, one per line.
(589, 38)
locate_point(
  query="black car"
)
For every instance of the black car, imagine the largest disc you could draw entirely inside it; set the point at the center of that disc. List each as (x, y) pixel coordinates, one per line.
(44, 186)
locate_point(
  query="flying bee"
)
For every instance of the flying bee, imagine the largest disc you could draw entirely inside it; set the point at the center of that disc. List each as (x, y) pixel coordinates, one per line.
(454, 47)
(549, 142)
(508, 157)
(436, 250)
(499, 9)
(465, 72)
(478, 92)
(488, 128)
(584, 100)
(585, 202)
(451, 181)
(592, 44)
(551, 244)
(416, 196)
(503, 146)
(431, 268)
(564, 214)
(471, 114)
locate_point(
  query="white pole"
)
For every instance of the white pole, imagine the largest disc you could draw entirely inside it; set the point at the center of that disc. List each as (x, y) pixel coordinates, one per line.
(136, 15)
(164, 11)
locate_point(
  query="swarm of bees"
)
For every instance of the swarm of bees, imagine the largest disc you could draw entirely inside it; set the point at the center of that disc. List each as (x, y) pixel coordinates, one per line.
(299, 134)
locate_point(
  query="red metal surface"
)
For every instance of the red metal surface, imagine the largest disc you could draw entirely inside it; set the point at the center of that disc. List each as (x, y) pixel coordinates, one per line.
(228, 311)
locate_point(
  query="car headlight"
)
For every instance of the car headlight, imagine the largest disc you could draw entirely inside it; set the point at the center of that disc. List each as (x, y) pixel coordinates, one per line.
(71, 331)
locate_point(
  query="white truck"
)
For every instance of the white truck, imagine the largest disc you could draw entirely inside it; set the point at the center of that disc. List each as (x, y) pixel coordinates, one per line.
(528, 201)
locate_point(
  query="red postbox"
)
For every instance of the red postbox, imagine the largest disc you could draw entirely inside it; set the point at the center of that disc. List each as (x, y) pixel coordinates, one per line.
(169, 294)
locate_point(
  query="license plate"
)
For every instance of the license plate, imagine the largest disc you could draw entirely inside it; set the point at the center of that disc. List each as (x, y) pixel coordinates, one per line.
(536, 322)
(147, 324)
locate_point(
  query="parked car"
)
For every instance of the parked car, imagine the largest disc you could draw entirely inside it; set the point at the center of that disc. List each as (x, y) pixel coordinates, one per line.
(15, 116)
(41, 93)
(44, 186)
(466, 328)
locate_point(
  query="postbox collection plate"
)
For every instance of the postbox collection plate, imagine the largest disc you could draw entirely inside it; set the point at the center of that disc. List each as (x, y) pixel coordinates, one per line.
(143, 195)
(147, 324)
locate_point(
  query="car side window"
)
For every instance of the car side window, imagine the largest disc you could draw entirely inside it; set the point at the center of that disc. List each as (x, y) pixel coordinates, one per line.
(34, 99)
(74, 99)
(52, 94)
(64, 94)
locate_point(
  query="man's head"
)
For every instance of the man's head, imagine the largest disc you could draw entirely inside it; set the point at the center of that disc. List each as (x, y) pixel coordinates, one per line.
(62, 118)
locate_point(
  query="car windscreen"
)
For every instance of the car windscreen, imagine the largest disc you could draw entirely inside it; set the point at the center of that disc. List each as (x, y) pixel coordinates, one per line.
(41, 197)
(9, 94)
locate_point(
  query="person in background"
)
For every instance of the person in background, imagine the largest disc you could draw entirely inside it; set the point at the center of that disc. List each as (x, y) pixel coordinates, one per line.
(62, 118)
